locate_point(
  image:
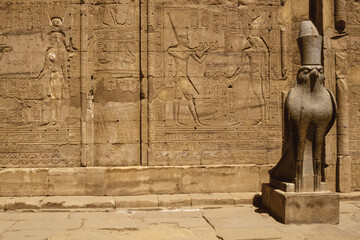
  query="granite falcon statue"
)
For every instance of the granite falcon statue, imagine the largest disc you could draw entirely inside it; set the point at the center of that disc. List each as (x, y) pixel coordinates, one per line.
(309, 114)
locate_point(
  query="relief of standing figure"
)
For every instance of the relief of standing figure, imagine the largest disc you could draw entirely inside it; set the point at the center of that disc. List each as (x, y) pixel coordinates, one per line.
(57, 65)
(258, 54)
(181, 52)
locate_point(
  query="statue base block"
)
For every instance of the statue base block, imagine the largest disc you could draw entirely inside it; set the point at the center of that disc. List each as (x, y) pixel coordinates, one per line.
(309, 207)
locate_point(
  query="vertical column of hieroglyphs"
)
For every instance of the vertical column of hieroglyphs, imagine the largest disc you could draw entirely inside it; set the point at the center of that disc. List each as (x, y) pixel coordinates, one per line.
(351, 78)
(39, 83)
(215, 80)
(111, 82)
(324, 18)
(336, 68)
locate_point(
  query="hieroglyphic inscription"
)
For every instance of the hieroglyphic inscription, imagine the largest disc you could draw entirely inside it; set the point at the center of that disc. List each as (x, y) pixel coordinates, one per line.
(39, 84)
(214, 71)
(112, 81)
(353, 66)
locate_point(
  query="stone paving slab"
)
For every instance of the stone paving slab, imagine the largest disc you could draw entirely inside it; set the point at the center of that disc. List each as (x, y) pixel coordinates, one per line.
(180, 222)
(109, 203)
(222, 223)
(180, 213)
(254, 233)
(30, 234)
(46, 224)
(120, 224)
(4, 225)
(160, 232)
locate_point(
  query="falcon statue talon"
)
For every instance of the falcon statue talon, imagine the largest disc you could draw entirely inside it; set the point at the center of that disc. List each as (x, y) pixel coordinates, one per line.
(309, 113)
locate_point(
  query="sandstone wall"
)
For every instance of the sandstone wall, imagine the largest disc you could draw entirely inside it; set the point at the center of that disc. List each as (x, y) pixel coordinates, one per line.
(96, 84)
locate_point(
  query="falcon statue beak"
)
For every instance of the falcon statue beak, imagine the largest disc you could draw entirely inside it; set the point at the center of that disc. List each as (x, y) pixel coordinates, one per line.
(314, 75)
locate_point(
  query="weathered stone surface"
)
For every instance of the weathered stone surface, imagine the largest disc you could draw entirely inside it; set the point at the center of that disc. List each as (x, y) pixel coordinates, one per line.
(20, 182)
(175, 200)
(22, 203)
(120, 224)
(136, 201)
(250, 233)
(192, 213)
(77, 202)
(164, 83)
(245, 222)
(140, 181)
(46, 224)
(31, 234)
(287, 207)
(212, 82)
(40, 93)
(180, 222)
(220, 179)
(77, 181)
(212, 199)
(354, 196)
(243, 198)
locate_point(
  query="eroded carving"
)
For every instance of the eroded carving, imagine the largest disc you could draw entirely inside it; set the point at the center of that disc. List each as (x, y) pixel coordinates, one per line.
(3, 47)
(229, 61)
(57, 64)
(184, 87)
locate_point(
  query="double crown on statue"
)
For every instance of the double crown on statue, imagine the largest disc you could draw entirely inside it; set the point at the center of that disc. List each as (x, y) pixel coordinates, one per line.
(310, 44)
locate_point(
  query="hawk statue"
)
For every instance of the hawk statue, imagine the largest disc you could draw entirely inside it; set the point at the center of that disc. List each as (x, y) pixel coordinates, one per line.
(309, 113)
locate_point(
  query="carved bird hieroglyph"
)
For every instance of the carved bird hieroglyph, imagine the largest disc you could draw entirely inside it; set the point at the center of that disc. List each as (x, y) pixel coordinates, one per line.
(309, 113)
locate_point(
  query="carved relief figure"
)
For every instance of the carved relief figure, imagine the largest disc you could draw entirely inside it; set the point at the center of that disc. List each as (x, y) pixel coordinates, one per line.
(258, 54)
(309, 114)
(56, 64)
(117, 14)
(184, 87)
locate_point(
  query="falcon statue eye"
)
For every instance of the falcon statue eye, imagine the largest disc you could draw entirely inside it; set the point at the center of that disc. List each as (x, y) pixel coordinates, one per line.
(321, 70)
(306, 71)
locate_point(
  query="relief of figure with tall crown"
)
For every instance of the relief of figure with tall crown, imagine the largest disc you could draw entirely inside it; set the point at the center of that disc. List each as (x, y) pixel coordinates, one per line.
(184, 87)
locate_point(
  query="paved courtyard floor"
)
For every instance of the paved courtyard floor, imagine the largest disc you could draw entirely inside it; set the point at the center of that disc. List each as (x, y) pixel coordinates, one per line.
(207, 223)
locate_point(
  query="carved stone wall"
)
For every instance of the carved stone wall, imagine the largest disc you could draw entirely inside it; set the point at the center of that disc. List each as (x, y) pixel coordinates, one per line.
(352, 61)
(39, 84)
(96, 84)
(215, 83)
(111, 85)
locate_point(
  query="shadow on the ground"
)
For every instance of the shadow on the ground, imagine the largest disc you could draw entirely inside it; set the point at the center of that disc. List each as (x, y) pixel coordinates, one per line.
(260, 208)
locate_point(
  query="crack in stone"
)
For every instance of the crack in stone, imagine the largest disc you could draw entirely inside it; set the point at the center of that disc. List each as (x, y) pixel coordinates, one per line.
(208, 221)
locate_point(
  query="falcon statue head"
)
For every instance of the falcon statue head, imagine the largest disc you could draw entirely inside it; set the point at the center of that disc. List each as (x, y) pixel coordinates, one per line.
(311, 72)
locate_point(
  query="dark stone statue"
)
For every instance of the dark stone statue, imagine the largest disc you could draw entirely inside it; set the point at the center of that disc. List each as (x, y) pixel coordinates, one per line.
(309, 114)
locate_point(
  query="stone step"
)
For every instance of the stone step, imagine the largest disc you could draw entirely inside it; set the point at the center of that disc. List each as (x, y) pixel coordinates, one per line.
(111, 203)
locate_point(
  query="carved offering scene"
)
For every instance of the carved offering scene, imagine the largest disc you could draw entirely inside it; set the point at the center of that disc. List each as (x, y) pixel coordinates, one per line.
(147, 97)
(215, 82)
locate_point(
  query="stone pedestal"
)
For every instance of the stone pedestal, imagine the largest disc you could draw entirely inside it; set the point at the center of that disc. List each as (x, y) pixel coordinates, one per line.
(310, 207)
